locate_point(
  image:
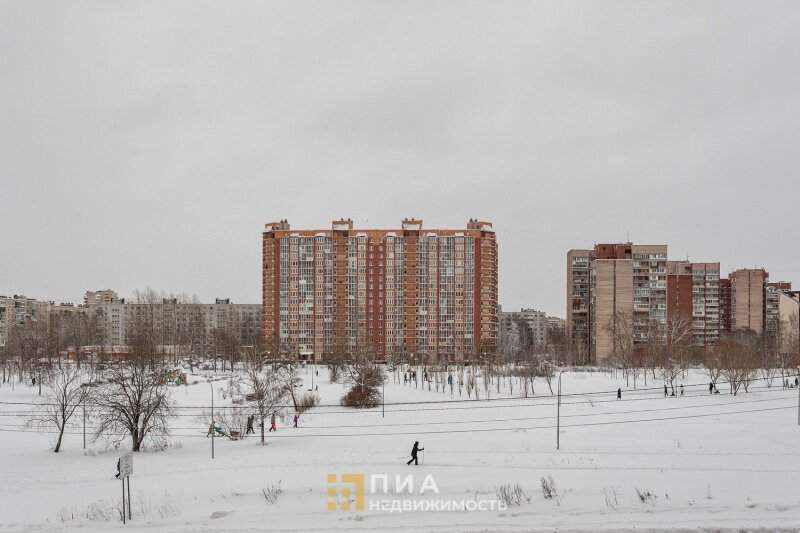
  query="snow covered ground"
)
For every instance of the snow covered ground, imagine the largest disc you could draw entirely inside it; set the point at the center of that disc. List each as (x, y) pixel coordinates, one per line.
(706, 461)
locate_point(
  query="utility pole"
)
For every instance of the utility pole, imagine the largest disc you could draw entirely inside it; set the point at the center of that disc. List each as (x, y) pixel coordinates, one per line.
(558, 413)
(124, 514)
(84, 419)
(213, 427)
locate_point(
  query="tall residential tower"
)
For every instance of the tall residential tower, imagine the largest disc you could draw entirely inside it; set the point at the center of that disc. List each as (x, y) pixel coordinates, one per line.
(418, 293)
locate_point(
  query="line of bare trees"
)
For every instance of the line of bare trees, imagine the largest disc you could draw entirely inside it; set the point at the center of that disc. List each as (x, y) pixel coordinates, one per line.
(667, 351)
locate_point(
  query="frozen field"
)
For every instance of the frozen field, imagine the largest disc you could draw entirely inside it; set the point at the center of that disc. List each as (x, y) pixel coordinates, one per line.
(707, 461)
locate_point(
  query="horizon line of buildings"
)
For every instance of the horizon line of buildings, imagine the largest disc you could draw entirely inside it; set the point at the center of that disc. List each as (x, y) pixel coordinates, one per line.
(174, 323)
(527, 329)
(613, 288)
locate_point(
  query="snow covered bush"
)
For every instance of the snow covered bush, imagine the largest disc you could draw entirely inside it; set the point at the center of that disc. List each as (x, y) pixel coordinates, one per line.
(646, 496)
(610, 494)
(363, 397)
(364, 378)
(512, 495)
(549, 488)
(307, 401)
(271, 493)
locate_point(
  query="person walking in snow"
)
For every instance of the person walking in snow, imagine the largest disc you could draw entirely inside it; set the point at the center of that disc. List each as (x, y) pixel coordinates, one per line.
(414, 452)
(295, 419)
(711, 387)
(665, 391)
(681, 389)
(619, 393)
(250, 425)
(272, 423)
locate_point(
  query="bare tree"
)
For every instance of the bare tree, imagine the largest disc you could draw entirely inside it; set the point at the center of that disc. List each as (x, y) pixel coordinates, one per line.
(65, 393)
(267, 391)
(134, 401)
(738, 353)
(677, 348)
(620, 329)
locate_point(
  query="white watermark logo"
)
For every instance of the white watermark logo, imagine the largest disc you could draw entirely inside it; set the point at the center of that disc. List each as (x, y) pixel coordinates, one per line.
(350, 492)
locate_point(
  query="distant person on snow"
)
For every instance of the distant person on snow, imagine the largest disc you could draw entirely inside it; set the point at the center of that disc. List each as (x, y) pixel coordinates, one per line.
(795, 382)
(414, 451)
(295, 419)
(250, 425)
(711, 387)
(665, 391)
(681, 389)
(272, 423)
(619, 393)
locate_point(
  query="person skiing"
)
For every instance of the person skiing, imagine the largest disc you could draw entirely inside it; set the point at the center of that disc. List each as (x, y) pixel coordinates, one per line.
(414, 451)
(295, 419)
(272, 423)
(619, 393)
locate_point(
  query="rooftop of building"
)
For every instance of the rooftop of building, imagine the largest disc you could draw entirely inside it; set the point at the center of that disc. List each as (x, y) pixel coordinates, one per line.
(473, 226)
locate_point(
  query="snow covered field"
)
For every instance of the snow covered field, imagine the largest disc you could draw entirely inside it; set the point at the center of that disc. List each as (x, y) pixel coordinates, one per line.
(707, 461)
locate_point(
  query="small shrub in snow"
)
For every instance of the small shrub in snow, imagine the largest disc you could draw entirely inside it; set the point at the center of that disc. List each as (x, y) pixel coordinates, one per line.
(610, 494)
(549, 490)
(271, 493)
(307, 401)
(646, 496)
(363, 397)
(512, 495)
(163, 508)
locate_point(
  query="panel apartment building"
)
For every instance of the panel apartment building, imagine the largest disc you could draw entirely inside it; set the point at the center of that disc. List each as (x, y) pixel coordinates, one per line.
(624, 288)
(414, 292)
(754, 304)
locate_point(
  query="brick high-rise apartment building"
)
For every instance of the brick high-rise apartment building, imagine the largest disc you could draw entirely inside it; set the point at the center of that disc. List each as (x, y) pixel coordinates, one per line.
(693, 296)
(410, 291)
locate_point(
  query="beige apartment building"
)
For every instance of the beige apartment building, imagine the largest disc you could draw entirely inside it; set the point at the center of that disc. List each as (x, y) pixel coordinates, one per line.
(612, 303)
(611, 287)
(789, 321)
(748, 290)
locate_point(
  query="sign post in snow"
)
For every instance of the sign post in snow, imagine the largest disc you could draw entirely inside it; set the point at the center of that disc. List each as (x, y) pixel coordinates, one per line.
(124, 471)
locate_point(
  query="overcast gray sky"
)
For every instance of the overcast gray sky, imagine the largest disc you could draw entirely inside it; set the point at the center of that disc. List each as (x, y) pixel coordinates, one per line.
(146, 143)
